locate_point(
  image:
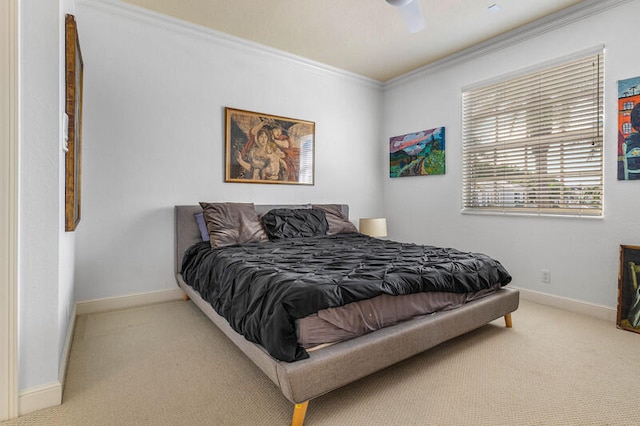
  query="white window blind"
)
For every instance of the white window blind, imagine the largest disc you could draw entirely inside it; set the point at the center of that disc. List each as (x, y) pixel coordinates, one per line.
(534, 144)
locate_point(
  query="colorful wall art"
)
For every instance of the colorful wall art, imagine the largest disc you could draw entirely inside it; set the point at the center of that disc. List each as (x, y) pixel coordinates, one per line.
(629, 129)
(417, 154)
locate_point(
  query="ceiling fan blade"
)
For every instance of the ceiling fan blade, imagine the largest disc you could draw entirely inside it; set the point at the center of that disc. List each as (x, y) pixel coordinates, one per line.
(410, 12)
(412, 16)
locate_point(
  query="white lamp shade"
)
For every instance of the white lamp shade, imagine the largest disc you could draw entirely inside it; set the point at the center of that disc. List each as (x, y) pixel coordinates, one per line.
(374, 227)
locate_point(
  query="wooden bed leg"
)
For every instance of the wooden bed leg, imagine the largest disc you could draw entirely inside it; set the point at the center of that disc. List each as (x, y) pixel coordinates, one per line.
(185, 297)
(299, 411)
(507, 320)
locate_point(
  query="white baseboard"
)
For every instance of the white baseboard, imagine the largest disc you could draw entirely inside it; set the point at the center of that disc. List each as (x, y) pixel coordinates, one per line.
(129, 301)
(589, 309)
(50, 394)
(39, 397)
(67, 347)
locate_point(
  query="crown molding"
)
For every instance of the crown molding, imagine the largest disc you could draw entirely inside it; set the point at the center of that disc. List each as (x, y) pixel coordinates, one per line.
(149, 17)
(534, 29)
(557, 20)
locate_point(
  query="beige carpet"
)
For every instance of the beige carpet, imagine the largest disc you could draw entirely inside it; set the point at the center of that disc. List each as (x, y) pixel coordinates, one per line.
(166, 364)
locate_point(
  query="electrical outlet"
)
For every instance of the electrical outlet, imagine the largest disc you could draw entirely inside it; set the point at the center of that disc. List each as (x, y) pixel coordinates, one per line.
(546, 276)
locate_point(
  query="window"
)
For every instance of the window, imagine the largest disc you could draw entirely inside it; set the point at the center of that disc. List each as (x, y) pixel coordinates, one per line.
(533, 144)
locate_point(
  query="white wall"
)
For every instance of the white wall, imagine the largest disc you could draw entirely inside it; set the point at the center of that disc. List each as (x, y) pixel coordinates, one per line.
(153, 137)
(582, 254)
(45, 250)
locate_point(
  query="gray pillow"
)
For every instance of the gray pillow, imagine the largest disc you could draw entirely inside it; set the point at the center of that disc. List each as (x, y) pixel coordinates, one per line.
(338, 223)
(232, 223)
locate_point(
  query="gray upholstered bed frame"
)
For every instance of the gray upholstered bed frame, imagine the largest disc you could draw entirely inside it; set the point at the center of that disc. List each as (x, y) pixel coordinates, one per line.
(337, 365)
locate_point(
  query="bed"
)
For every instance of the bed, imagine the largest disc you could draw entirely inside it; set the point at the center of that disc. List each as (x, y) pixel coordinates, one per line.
(304, 373)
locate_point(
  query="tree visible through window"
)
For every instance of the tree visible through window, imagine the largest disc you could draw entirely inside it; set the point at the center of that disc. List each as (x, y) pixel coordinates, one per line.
(533, 144)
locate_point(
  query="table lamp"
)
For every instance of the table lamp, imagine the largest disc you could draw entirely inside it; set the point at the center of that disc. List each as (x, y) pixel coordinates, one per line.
(374, 227)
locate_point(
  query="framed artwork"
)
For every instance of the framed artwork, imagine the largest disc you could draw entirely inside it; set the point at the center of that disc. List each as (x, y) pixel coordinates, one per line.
(73, 109)
(628, 317)
(417, 154)
(629, 129)
(263, 148)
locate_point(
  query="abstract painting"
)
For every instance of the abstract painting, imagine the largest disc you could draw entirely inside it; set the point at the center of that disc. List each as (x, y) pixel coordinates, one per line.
(417, 154)
(629, 129)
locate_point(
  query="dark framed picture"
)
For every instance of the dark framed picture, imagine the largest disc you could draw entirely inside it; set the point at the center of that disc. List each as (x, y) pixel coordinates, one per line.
(628, 289)
(73, 109)
(263, 148)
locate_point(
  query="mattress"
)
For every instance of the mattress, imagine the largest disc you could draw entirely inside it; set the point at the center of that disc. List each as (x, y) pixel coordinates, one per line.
(333, 325)
(262, 288)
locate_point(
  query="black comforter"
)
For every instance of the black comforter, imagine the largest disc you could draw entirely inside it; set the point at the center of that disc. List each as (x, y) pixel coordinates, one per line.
(262, 288)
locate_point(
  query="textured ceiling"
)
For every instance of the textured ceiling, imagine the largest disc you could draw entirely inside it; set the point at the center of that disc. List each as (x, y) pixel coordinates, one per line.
(365, 37)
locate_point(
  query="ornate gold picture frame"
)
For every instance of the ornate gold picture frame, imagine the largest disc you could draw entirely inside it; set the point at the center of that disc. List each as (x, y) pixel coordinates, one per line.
(73, 164)
(263, 148)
